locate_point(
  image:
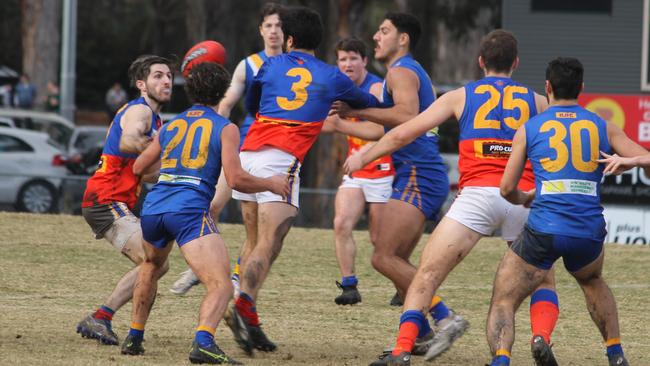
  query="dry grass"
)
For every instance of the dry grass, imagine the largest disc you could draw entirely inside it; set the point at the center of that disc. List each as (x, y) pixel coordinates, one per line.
(52, 273)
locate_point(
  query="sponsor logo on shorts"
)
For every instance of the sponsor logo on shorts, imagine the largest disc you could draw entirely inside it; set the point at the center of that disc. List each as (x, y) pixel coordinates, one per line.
(569, 186)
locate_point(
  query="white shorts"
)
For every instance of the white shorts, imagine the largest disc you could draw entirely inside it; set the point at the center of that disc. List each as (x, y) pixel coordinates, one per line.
(122, 230)
(267, 163)
(483, 210)
(375, 190)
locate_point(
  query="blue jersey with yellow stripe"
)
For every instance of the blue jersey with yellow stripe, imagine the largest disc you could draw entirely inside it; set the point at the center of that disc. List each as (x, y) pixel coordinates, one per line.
(423, 149)
(190, 162)
(253, 64)
(563, 144)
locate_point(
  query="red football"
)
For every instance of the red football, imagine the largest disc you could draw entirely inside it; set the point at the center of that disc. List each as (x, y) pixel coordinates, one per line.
(206, 51)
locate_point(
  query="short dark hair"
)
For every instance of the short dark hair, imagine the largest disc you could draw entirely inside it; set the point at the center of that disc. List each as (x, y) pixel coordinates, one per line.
(269, 9)
(351, 44)
(141, 67)
(406, 23)
(303, 25)
(565, 74)
(499, 50)
(207, 83)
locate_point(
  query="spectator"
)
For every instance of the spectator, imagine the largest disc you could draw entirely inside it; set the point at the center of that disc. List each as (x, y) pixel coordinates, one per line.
(115, 98)
(25, 93)
(52, 98)
(6, 93)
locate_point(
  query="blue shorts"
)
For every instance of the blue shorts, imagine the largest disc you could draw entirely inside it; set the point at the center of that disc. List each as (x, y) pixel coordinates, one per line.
(425, 186)
(542, 250)
(183, 227)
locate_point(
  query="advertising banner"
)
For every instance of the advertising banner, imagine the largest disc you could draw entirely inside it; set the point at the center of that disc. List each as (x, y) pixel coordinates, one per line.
(627, 225)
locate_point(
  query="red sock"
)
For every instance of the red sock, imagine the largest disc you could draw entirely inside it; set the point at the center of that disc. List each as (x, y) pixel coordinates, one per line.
(103, 313)
(245, 306)
(408, 331)
(543, 316)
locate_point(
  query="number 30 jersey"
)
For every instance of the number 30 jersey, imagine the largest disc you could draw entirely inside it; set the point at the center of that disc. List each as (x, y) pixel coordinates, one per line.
(190, 162)
(494, 108)
(563, 144)
(292, 94)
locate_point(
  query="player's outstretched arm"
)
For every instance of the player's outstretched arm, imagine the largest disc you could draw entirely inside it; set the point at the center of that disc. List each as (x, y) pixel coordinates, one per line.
(514, 170)
(148, 162)
(630, 154)
(235, 90)
(135, 122)
(449, 105)
(362, 129)
(239, 179)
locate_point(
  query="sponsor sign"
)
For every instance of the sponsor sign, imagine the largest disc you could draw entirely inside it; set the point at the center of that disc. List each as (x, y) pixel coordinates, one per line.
(627, 225)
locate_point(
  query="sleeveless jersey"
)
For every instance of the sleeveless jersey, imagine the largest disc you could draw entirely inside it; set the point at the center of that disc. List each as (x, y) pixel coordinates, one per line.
(190, 162)
(382, 167)
(292, 94)
(423, 149)
(253, 64)
(494, 108)
(114, 181)
(562, 144)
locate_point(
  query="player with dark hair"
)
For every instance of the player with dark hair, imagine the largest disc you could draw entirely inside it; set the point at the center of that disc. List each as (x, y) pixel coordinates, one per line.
(479, 209)
(189, 151)
(112, 191)
(271, 31)
(291, 95)
(566, 217)
(372, 184)
(420, 186)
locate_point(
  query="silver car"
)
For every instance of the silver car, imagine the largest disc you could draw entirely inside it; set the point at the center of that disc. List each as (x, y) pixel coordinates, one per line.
(31, 170)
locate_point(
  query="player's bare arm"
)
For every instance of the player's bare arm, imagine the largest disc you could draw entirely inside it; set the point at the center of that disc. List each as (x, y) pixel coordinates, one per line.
(541, 103)
(235, 90)
(630, 154)
(514, 170)
(404, 85)
(149, 160)
(239, 179)
(361, 129)
(449, 105)
(135, 122)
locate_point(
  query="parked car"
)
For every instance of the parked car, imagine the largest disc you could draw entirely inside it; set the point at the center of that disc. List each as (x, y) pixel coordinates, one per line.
(85, 148)
(32, 170)
(57, 127)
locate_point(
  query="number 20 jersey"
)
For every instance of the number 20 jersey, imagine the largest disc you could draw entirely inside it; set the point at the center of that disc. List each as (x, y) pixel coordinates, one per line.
(494, 108)
(190, 162)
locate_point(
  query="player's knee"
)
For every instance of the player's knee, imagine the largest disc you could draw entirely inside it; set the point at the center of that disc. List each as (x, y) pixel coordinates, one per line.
(164, 268)
(342, 226)
(379, 261)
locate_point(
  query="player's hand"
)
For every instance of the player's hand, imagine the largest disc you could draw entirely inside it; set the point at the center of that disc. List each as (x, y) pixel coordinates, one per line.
(279, 184)
(342, 109)
(615, 164)
(353, 163)
(530, 197)
(330, 124)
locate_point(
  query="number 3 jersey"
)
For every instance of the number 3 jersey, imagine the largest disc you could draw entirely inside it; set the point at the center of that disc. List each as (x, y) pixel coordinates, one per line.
(114, 181)
(292, 95)
(563, 144)
(190, 162)
(494, 108)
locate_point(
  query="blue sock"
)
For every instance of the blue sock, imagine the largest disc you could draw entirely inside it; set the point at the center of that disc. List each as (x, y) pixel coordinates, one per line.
(349, 281)
(418, 319)
(614, 350)
(425, 328)
(204, 338)
(438, 309)
(500, 361)
(136, 333)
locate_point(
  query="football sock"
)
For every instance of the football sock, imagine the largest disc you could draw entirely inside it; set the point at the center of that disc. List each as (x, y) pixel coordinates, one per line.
(204, 336)
(245, 306)
(409, 326)
(137, 330)
(438, 309)
(544, 311)
(349, 281)
(235, 272)
(502, 358)
(104, 313)
(614, 347)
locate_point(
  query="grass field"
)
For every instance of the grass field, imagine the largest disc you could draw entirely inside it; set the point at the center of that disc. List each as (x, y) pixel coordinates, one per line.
(52, 273)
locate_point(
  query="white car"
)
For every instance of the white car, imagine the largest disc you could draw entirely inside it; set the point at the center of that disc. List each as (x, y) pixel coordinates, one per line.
(57, 127)
(31, 170)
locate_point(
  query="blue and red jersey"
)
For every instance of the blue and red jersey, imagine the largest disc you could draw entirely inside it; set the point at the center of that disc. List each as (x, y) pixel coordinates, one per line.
(563, 144)
(382, 167)
(253, 64)
(494, 108)
(292, 95)
(423, 149)
(114, 181)
(190, 162)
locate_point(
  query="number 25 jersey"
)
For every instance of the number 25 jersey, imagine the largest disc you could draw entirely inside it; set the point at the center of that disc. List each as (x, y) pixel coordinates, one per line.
(495, 107)
(190, 162)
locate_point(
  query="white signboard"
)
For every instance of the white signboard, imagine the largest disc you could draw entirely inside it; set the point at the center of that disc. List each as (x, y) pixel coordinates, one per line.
(627, 225)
